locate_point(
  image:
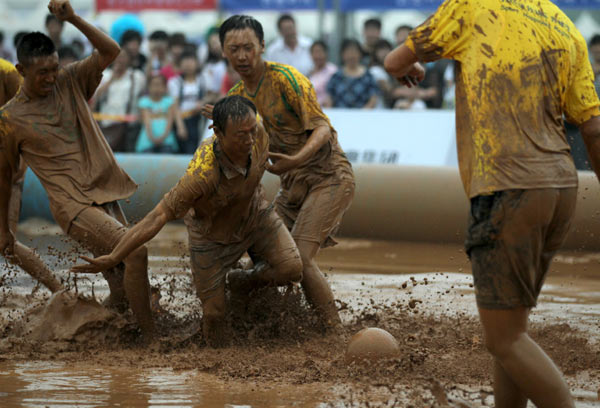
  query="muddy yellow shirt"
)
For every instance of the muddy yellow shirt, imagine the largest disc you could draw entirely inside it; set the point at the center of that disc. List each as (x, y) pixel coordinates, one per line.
(287, 103)
(521, 65)
(221, 203)
(10, 81)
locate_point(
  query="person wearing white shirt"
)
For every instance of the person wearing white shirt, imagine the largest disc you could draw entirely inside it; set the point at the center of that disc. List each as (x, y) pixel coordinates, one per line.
(117, 98)
(291, 48)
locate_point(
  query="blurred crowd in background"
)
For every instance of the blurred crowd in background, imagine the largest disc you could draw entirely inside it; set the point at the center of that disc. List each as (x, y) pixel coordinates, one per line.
(149, 100)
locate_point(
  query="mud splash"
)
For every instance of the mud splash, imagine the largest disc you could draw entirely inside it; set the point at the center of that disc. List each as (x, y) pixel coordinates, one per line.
(278, 354)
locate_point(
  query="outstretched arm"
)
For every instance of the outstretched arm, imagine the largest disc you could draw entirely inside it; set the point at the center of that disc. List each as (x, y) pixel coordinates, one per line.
(137, 236)
(107, 48)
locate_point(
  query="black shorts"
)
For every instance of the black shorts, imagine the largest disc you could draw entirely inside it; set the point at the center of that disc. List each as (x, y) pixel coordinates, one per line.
(512, 237)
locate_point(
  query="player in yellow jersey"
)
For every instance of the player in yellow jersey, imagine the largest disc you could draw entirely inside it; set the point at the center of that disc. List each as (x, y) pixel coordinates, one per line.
(317, 182)
(520, 66)
(26, 258)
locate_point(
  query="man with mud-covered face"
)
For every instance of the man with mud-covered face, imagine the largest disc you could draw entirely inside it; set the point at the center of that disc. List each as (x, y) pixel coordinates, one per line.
(50, 126)
(226, 213)
(521, 66)
(317, 181)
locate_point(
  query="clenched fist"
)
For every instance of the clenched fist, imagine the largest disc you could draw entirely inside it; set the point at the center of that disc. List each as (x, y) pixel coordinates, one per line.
(61, 9)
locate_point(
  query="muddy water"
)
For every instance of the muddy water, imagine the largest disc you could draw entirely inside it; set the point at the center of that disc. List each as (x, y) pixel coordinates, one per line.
(427, 284)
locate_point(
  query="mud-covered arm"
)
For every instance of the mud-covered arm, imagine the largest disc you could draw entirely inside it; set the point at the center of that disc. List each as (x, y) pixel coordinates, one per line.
(134, 238)
(283, 162)
(6, 236)
(107, 48)
(402, 64)
(590, 131)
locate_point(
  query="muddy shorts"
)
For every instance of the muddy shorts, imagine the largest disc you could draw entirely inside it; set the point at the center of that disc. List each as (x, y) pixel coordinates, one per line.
(99, 228)
(318, 217)
(270, 241)
(511, 240)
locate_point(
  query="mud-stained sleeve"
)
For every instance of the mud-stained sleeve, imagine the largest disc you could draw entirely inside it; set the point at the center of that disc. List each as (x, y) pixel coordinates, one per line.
(262, 141)
(87, 73)
(9, 147)
(445, 34)
(12, 83)
(197, 182)
(300, 97)
(237, 89)
(581, 101)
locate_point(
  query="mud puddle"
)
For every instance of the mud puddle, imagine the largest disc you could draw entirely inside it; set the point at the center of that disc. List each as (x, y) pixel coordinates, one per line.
(421, 293)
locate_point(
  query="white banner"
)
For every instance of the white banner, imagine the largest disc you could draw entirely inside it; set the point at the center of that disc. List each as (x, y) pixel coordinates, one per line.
(414, 138)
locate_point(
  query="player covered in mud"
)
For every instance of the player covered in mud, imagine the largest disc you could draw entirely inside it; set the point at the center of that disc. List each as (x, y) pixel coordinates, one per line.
(520, 66)
(226, 214)
(317, 182)
(25, 257)
(50, 126)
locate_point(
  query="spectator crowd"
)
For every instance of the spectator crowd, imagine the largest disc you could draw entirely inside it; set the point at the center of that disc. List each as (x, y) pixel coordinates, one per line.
(151, 103)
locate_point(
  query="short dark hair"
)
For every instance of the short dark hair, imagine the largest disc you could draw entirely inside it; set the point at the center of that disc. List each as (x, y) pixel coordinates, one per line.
(177, 39)
(159, 35)
(403, 27)
(382, 43)
(34, 45)
(595, 40)
(349, 43)
(17, 38)
(319, 43)
(284, 17)
(372, 22)
(67, 52)
(233, 107)
(51, 17)
(240, 22)
(130, 35)
(188, 54)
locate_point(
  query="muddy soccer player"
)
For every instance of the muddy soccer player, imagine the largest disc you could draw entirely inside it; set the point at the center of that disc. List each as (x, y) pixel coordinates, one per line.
(25, 257)
(520, 66)
(50, 126)
(317, 182)
(226, 214)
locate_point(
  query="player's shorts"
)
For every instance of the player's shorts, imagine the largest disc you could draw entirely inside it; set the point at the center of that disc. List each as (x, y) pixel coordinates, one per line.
(511, 240)
(318, 217)
(270, 241)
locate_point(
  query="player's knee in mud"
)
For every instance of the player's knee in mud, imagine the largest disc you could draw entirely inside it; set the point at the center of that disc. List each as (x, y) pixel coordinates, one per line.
(291, 270)
(499, 346)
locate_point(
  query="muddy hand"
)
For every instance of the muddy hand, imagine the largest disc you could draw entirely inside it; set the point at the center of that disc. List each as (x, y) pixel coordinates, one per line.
(95, 265)
(281, 163)
(61, 9)
(207, 111)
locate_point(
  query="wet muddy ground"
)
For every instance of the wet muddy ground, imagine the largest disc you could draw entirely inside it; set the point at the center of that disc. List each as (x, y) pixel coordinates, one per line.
(278, 354)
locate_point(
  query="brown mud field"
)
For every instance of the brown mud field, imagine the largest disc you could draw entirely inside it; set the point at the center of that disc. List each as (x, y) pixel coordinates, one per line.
(69, 351)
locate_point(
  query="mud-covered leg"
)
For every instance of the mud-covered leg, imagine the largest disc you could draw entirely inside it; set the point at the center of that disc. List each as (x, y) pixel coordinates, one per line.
(315, 286)
(31, 263)
(137, 288)
(523, 360)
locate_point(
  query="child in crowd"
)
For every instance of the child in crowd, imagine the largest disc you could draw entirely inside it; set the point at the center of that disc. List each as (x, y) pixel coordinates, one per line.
(188, 90)
(159, 114)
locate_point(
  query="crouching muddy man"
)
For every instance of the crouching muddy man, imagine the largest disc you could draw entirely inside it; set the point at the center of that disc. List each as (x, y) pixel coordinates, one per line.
(226, 214)
(25, 257)
(50, 126)
(513, 86)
